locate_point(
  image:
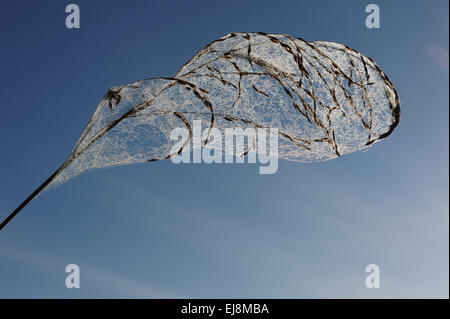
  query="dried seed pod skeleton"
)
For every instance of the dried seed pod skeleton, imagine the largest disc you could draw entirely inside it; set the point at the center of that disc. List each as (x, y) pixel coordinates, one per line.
(325, 98)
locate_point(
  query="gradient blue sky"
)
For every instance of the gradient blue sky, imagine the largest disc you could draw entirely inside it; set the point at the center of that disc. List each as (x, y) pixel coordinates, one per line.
(166, 230)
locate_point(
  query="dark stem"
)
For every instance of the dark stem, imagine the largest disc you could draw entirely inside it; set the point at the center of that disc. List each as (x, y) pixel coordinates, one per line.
(31, 197)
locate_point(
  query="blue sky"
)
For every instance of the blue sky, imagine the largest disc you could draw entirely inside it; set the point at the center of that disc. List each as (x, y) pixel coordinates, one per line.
(164, 230)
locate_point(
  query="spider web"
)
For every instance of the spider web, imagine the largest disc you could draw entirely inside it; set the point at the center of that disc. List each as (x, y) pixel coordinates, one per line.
(325, 99)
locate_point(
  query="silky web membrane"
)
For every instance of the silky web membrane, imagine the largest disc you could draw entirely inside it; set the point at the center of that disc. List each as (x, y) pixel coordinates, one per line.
(325, 99)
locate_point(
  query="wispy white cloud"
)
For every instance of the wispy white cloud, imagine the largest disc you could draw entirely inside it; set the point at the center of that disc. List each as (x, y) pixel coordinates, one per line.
(439, 55)
(107, 280)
